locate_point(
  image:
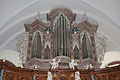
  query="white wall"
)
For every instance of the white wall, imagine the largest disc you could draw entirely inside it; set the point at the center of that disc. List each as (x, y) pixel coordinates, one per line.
(11, 56)
(109, 57)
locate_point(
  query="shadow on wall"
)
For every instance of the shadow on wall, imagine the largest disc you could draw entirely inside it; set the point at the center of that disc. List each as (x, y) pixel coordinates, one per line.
(11, 56)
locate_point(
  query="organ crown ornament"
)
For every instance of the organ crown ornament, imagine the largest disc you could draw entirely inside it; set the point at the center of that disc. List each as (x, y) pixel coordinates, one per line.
(38, 17)
(84, 16)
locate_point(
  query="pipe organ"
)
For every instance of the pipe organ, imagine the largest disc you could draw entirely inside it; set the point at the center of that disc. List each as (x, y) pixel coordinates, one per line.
(57, 43)
(61, 36)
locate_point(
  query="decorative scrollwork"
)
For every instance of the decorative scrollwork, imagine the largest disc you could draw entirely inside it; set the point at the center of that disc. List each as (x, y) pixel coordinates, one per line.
(21, 46)
(100, 42)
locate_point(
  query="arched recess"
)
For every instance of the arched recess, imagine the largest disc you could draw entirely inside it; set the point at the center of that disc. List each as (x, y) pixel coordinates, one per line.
(36, 45)
(76, 53)
(86, 45)
(61, 35)
(47, 52)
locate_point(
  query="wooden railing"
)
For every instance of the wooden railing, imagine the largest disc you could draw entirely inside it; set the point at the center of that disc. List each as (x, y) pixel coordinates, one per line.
(11, 72)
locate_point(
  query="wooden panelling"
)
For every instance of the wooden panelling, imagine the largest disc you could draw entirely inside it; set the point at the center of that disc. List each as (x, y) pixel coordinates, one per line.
(16, 73)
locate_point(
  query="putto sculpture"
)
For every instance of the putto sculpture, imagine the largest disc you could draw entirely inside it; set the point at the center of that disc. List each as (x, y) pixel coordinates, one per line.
(72, 64)
(54, 63)
(77, 75)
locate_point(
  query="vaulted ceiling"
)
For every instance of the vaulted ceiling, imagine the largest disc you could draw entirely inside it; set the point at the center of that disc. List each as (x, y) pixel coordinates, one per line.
(14, 13)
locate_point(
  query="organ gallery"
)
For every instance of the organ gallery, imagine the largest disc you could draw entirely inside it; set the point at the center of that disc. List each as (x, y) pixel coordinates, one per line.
(60, 49)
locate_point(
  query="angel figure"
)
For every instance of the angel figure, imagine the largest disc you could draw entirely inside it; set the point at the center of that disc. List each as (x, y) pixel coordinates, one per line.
(77, 75)
(49, 76)
(72, 64)
(54, 63)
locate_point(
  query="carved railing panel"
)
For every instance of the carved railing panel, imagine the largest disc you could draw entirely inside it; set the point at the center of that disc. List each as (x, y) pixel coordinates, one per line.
(16, 73)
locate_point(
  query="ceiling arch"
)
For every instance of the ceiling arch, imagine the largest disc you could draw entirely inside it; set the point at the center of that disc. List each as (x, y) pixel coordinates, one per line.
(30, 10)
(87, 7)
